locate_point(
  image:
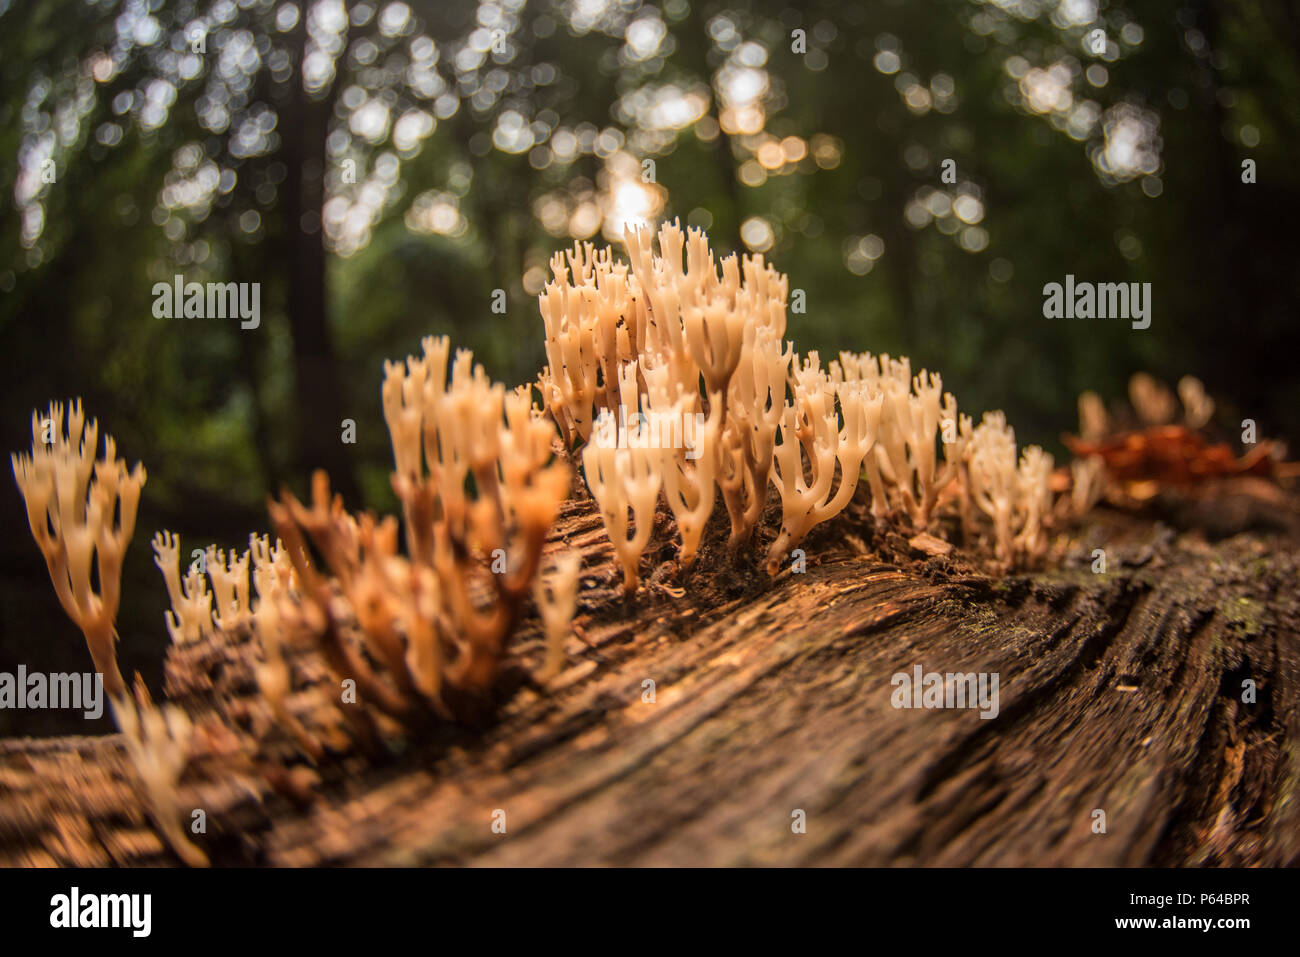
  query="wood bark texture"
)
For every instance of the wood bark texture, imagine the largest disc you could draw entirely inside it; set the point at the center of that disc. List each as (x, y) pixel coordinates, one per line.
(1120, 692)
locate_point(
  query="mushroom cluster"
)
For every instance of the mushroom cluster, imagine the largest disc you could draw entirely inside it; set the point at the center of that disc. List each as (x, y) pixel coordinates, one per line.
(480, 487)
(673, 374)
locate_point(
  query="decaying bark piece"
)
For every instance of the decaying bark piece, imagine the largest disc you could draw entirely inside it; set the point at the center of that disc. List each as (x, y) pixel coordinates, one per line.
(1120, 692)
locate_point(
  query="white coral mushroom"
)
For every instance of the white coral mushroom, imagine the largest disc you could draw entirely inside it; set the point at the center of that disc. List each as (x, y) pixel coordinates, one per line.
(157, 742)
(556, 594)
(72, 503)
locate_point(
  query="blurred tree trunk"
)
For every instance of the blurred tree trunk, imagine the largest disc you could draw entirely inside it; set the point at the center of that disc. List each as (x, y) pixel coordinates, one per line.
(728, 209)
(320, 391)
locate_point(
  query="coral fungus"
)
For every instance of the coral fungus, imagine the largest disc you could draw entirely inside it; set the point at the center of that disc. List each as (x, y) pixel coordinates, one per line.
(438, 618)
(1160, 451)
(684, 339)
(669, 381)
(72, 503)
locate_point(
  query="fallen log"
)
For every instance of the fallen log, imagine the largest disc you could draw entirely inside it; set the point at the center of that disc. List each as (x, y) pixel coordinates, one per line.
(1147, 715)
